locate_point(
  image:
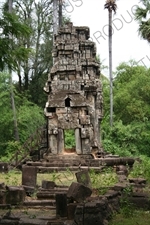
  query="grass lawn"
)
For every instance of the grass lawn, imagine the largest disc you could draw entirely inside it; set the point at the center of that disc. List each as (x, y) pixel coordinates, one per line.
(14, 178)
(137, 218)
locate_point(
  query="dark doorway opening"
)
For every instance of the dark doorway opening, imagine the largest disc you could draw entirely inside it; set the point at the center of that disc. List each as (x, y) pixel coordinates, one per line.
(67, 102)
(51, 109)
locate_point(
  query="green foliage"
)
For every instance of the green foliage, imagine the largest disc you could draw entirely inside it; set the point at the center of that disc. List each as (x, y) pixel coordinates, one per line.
(106, 89)
(130, 134)
(37, 95)
(69, 139)
(103, 180)
(12, 147)
(127, 140)
(35, 69)
(29, 117)
(10, 52)
(120, 139)
(141, 168)
(126, 208)
(6, 115)
(131, 93)
(142, 16)
(139, 217)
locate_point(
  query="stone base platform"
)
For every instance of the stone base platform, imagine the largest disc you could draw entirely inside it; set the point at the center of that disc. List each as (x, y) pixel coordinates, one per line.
(75, 162)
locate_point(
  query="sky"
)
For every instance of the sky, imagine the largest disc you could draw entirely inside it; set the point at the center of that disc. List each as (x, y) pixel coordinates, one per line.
(127, 44)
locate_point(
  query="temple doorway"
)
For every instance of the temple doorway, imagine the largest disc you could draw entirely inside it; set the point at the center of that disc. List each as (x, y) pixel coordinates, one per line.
(69, 141)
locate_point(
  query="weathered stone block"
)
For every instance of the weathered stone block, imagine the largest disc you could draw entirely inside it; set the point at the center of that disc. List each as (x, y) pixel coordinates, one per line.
(85, 120)
(92, 213)
(137, 180)
(2, 197)
(61, 204)
(15, 195)
(78, 192)
(48, 184)
(83, 178)
(86, 149)
(85, 133)
(71, 207)
(29, 176)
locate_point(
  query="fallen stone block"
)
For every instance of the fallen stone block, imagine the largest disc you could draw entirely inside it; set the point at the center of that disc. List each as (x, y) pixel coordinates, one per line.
(83, 178)
(48, 184)
(78, 192)
(15, 195)
(92, 213)
(140, 202)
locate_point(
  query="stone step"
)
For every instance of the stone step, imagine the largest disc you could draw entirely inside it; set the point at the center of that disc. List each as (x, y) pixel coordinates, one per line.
(49, 194)
(32, 221)
(67, 162)
(56, 189)
(42, 169)
(64, 156)
(137, 180)
(27, 221)
(40, 203)
(59, 163)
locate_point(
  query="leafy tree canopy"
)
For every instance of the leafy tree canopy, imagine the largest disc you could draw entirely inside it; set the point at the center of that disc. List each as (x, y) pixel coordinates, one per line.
(29, 116)
(132, 93)
(130, 133)
(11, 30)
(142, 16)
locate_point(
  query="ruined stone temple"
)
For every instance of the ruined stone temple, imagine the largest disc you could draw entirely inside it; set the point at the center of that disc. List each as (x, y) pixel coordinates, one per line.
(74, 92)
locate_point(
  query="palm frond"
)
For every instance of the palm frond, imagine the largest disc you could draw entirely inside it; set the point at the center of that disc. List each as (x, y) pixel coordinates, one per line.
(111, 5)
(144, 30)
(140, 13)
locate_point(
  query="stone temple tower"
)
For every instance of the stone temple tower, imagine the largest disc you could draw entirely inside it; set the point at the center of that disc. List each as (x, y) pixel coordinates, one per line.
(74, 91)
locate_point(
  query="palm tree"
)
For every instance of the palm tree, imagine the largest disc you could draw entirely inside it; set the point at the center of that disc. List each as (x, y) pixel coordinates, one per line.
(141, 15)
(112, 7)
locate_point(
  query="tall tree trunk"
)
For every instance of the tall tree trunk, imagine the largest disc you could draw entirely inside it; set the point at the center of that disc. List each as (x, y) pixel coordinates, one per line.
(26, 75)
(60, 13)
(55, 16)
(19, 77)
(16, 133)
(110, 65)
